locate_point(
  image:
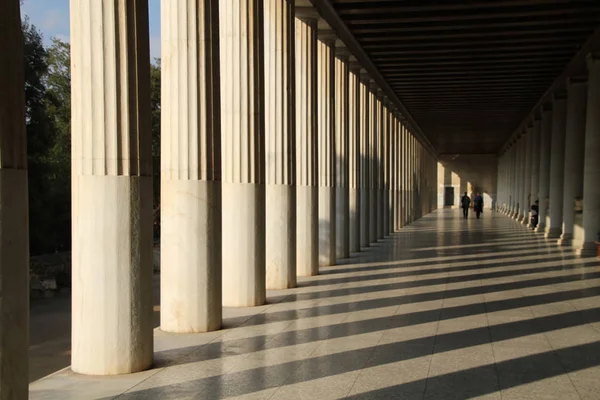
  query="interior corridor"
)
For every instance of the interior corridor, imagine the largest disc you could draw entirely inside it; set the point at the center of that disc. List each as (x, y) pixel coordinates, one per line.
(445, 308)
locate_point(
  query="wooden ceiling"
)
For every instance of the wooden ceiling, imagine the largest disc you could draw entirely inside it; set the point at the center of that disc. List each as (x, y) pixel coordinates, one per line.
(470, 71)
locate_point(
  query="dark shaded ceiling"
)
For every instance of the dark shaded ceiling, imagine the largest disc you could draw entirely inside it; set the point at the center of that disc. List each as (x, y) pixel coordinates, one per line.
(470, 71)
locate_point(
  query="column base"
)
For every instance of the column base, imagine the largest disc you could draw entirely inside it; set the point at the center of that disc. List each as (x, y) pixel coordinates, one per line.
(553, 233)
(280, 236)
(587, 249)
(243, 216)
(540, 228)
(354, 225)
(307, 230)
(565, 240)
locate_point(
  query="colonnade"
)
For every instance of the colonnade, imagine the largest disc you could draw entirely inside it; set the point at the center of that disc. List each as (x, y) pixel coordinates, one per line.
(279, 154)
(555, 160)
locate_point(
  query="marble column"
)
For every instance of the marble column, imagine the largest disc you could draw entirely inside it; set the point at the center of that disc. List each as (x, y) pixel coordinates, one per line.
(14, 219)
(513, 179)
(591, 164)
(535, 162)
(574, 153)
(365, 167)
(342, 217)
(526, 195)
(397, 159)
(326, 146)
(380, 194)
(243, 158)
(518, 176)
(111, 163)
(390, 173)
(373, 171)
(280, 144)
(307, 180)
(557, 166)
(354, 122)
(544, 149)
(190, 209)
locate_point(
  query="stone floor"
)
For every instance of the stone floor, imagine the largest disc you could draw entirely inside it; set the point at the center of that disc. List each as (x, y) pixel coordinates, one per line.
(444, 309)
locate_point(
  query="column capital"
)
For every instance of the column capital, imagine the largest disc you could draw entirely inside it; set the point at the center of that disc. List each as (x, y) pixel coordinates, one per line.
(306, 13)
(342, 52)
(354, 66)
(577, 80)
(327, 36)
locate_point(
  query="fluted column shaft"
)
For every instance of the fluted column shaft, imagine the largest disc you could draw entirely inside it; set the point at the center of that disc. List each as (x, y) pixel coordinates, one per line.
(373, 171)
(111, 161)
(535, 155)
(190, 168)
(557, 166)
(326, 90)
(307, 190)
(591, 168)
(521, 147)
(574, 155)
(14, 219)
(342, 129)
(544, 184)
(365, 167)
(280, 144)
(243, 156)
(380, 172)
(390, 174)
(526, 195)
(354, 121)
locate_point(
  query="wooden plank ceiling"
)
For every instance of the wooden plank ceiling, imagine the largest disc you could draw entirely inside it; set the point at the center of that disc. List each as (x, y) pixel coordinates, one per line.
(470, 71)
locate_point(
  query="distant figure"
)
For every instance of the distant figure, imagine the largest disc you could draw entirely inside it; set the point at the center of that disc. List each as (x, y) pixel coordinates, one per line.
(535, 212)
(478, 205)
(465, 202)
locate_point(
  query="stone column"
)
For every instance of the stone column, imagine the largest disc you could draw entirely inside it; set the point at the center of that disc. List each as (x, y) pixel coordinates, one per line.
(280, 144)
(190, 168)
(535, 162)
(591, 169)
(397, 167)
(574, 153)
(373, 175)
(326, 146)
(354, 112)
(518, 175)
(544, 149)
(365, 167)
(390, 173)
(307, 162)
(526, 196)
(342, 233)
(380, 160)
(557, 166)
(243, 156)
(14, 219)
(111, 163)
(513, 178)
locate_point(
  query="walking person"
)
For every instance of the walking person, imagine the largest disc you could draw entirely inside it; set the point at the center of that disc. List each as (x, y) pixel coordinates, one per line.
(478, 205)
(465, 202)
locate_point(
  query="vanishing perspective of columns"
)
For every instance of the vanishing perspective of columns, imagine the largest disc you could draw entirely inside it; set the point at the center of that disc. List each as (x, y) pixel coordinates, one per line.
(14, 211)
(111, 155)
(243, 159)
(280, 144)
(307, 179)
(326, 148)
(190, 169)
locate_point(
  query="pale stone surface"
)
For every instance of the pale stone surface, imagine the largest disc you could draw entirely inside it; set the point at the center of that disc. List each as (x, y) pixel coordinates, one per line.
(372, 176)
(364, 167)
(326, 149)
(535, 166)
(342, 149)
(526, 196)
(307, 192)
(557, 166)
(354, 159)
(14, 218)
(111, 188)
(574, 152)
(591, 171)
(280, 143)
(243, 141)
(544, 184)
(190, 169)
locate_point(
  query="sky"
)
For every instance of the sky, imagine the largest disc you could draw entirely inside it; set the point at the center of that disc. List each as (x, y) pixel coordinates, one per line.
(51, 17)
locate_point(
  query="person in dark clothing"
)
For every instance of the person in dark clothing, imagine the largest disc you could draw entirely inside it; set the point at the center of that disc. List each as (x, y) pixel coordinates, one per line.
(478, 205)
(465, 202)
(535, 212)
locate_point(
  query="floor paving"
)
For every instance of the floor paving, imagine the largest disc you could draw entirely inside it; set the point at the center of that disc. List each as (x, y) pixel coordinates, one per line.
(446, 308)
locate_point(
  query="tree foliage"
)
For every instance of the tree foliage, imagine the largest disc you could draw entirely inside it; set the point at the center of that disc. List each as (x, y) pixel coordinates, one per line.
(48, 120)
